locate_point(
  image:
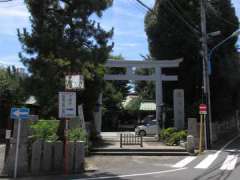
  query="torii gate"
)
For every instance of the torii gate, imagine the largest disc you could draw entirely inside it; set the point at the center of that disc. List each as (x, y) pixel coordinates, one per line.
(158, 77)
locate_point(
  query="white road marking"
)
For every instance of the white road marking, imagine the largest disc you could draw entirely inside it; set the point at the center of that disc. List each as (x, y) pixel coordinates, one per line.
(184, 162)
(205, 163)
(229, 163)
(132, 175)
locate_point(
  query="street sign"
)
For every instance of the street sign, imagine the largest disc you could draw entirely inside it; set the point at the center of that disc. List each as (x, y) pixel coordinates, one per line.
(20, 113)
(74, 82)
(67, 104)
(202, 109)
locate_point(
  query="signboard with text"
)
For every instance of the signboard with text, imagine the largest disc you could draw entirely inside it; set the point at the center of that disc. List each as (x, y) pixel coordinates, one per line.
(67, 104)
(74, 82)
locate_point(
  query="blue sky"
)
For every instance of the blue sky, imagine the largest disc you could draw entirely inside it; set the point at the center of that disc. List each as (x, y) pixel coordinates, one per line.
(126, 16)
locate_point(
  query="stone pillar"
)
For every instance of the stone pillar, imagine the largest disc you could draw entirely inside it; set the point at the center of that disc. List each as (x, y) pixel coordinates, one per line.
(79, 157)
(179, 114)
(47, 156)
(193, 129)
(98, 115)
(36, 157)
(190, 144)
(58, 156)
(70, 159)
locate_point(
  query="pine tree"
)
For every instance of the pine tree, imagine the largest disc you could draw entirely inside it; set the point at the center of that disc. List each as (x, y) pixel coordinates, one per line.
(65, 39)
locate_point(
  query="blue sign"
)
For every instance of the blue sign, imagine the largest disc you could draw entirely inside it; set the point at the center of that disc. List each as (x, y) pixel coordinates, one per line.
(20, 113)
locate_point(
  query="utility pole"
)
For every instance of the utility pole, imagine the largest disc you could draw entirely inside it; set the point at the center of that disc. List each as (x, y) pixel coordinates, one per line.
(206, 88)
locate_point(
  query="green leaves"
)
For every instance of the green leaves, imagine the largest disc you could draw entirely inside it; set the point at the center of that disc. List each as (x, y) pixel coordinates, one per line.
(77, 134)
(45, 130)
(170, 38)
(65, 39)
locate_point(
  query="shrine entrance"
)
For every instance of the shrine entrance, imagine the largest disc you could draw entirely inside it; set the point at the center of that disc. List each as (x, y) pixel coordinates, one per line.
(130, 67)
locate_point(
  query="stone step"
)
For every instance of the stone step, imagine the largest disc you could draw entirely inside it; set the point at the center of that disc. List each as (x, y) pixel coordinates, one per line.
(139, 153)
(137, 150)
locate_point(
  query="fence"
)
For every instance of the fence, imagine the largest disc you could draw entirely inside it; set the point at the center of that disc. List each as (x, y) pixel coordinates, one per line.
(130, 139)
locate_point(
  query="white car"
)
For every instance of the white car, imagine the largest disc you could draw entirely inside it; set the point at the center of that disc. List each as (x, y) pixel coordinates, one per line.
(148, 128)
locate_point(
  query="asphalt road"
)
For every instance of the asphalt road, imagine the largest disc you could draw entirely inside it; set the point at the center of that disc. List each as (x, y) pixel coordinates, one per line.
(221, 164)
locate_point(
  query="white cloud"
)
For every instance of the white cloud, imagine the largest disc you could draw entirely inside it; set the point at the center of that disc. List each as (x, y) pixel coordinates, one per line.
(13, 16)
(11, 60)
(130, 45)
(14, 11)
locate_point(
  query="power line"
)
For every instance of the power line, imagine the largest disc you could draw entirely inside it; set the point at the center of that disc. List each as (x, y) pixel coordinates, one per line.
(183, 12)
(223, 19)
(193, 29)
(140, 8)
(144, 5)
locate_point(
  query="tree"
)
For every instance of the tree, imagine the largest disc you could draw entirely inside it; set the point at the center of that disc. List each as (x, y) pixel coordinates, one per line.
(170, 37)
(11, 92)
(113, 94)
(65, 39)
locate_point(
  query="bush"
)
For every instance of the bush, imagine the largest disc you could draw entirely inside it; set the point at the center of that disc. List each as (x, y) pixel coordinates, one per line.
(45, 130)
(166, 133)
(77, 134)
(172, 137)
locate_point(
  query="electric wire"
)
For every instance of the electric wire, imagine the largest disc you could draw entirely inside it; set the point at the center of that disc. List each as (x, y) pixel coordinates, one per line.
(179, 15)
(223, 19)
(190, 27)
(183, 12)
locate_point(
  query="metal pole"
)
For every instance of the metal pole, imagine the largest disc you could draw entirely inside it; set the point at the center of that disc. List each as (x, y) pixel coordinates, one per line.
(17, 148)
(204, 62)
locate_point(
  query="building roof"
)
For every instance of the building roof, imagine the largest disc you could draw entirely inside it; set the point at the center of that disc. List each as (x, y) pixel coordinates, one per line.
(31, 101)
(148, 106)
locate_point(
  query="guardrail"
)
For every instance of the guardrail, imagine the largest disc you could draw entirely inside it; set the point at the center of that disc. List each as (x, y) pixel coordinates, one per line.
(130, 139)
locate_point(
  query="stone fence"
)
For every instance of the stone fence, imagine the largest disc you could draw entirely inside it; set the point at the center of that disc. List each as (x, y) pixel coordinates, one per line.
(218, 128)
(43, 157)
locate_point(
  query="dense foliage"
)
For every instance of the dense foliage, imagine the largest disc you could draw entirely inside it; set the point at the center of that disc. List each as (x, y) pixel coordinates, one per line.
(11, 92)
(45, 130)
(77, 134)
(171, 136)
(170, 38)
(65, 39)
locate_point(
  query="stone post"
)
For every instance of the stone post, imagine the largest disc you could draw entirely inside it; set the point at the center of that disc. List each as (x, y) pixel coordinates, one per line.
(79, 157)
(193, 129)
(47, 160)
(58, 156)
(36, 157)
(70, 159)
(179, 114)
(190, 144)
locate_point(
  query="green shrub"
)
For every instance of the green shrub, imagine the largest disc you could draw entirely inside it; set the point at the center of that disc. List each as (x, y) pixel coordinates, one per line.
(166, 133)
(45, 130)
(77, 134)
(176, 137)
